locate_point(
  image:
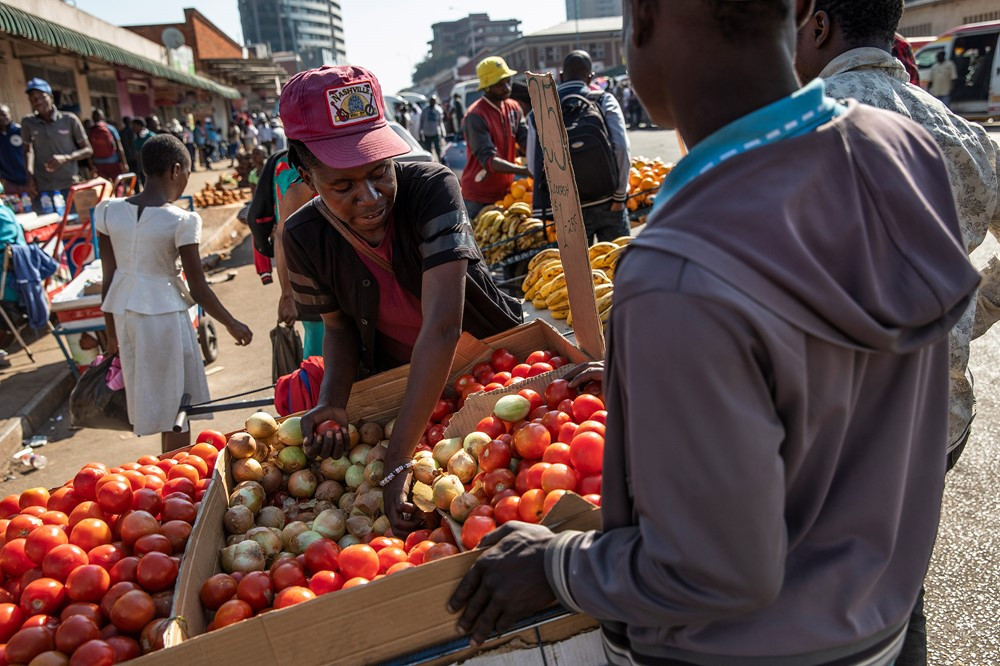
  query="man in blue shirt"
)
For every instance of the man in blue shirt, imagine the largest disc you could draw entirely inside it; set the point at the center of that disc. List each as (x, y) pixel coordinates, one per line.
(13, 173)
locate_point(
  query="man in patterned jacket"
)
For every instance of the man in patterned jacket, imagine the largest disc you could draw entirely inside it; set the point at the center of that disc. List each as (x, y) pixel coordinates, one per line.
(848, 44)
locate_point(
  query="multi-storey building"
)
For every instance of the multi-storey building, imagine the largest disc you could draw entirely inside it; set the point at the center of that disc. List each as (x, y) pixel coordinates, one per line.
(312, 29)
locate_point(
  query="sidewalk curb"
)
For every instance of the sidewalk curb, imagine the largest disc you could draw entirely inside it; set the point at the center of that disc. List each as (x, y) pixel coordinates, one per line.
(220, 240)
(29, 419)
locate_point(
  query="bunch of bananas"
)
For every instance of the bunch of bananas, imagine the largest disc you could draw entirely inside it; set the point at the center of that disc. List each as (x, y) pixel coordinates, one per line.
(604, 256)
(494, 226)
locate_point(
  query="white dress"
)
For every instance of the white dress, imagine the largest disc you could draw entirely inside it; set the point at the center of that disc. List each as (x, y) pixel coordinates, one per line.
(160, 357)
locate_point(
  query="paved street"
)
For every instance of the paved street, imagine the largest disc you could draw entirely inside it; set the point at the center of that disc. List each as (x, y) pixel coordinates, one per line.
(963, 602)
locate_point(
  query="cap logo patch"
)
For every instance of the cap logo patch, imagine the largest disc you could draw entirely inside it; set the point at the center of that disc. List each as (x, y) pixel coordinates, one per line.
(352, 104)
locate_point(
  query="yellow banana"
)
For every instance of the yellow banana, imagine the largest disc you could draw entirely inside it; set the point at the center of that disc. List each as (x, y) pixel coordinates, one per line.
(602, 289)
(539, 302)
(562, 313)
(622, 241)
(543, 256)
(552, 271)
(558, 298)
(604, 301)
(600, 277)
(556, 283)
(520, 208)
(600, 249)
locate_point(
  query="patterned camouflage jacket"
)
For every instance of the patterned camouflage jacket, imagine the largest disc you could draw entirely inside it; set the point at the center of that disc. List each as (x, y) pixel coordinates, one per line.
(874, 77)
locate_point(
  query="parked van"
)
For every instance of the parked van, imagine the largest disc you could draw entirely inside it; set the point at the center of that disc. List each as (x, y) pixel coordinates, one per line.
(468, 92)
(974, 49)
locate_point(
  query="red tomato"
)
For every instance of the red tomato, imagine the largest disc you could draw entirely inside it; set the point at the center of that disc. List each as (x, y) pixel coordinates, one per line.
(321, 555)
(153, 470)
(135, 478)
(199, 464)
(435, 434)
(124, 570)
(219, 589)
(502, 378)
(148, 460)
(74, 632)
(492, 386)
(355, 582)
(506, 509)
(43, 596)
(154, 482)
(156, 572)
(387, 557)
(558, 362)
(231, 612)
(90, 533)
(483, 372)
(414, 538)
(559, 477)
(11, 619)
(531, 506)
(566, 432)
(557, 391)
(137, 524)
(492, 426)
(256, 589)
(495, 455)
(206, 452)
(439, 551)
(125, 648)
(416, 554)
(34, 511)
(551, 499)
(179, 509)
(600, 416)
(539, 369)
(45, 621)
(502, 360)
(497, 481)
(359, 560)
(117, 591)
(554, 421)
(531, 441)
(115, 496)
(213, 437)
(152, 543)
(399, 566)
(567, 407)
(61, 560)
(591, 426)
(178, 532)
(88, 583)
(93, 653)
(513, 380)
(532, 397)
(42, 540)
(21, 526)
(460, 385)
(474, 387)
(178, 484)
(521, 482)
(378, 543)
(133, 611)
(293, 595)
(589, 485)
(28, 643)
(474, 529)
(538, 357)
(33, 497)
(593, 498)
(184, 471)
(54, 518)
(487, 509)
(587, 453)
(521, 370)
(289, 573)
(65, 499)
(556, 453)
(10, 506)
(85, 482)
(443, 408)
(90, 611)
(85, 510)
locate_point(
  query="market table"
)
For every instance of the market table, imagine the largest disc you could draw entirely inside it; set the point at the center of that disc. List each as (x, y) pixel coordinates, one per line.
(40, 228)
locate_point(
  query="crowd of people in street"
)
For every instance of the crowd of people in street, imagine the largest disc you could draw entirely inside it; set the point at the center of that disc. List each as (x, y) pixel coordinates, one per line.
(787, 371)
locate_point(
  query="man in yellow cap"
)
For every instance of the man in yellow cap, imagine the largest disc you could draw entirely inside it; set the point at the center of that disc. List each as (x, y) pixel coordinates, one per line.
(494, 125)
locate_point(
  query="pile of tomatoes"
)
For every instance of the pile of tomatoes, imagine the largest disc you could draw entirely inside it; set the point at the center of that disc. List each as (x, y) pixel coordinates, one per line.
(87, 572)
(502, 370)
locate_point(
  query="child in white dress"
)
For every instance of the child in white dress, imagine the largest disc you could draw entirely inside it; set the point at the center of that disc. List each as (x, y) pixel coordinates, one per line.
(146, 301)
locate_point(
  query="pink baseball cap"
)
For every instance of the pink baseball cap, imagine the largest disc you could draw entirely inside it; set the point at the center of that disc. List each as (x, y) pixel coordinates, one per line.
(338, 112)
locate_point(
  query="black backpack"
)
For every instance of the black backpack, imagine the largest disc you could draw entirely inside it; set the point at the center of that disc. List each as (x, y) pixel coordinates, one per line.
(594, 162)
(260, 214)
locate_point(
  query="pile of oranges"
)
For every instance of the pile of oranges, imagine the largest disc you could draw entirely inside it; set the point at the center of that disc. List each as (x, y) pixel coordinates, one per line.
(519, 192)
(644, 180)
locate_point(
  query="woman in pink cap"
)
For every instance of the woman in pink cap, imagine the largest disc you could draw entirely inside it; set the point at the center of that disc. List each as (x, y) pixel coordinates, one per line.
(385, 255)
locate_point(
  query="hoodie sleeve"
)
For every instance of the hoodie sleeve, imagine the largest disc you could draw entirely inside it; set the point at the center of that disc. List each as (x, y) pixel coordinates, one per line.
(702, 450)
(614, 119)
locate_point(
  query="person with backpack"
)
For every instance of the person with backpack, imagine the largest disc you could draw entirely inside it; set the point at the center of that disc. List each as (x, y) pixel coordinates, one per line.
(599, 149)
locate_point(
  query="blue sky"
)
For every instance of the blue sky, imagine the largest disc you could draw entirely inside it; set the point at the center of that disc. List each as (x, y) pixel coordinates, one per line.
(387, 36)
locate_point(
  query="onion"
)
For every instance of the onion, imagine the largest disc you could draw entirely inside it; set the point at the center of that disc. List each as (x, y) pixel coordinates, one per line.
(241, 445)
(328, 491)
(335, 469)
(271, 480)
(462, 505)
(377, 452)
(359, 526)
(291, 531)
(268, 540)
(355, 476)
(234, 539)
(445, 449)
(363, 488)
(388, 428)
(238, 519)
(302, 484)
(226, 558)
(371, 433)
(271, 516)
(359, 453)
(348, 540)
(331, 524)
(290, 431)
(369, 503)
(423, 453)
(346, 502)
(475, 442)
(375, 471)
(353, 435)
(381, 525)
(261, 425)
(303, 540)
(291, 459)
(249, 494)
(323, 505)
(512, 408)
(446, 489)
(425, 470)
(463, 465)
(247, 469)
(249, 556)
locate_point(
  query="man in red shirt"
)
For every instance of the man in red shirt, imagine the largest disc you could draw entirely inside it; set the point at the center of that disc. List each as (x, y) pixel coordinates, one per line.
(494, 125)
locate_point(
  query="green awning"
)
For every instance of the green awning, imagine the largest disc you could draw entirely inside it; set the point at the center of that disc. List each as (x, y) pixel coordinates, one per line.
(21, 24)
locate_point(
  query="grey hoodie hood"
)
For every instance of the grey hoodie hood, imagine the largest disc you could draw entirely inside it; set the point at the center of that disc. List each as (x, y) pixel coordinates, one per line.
(899, 296)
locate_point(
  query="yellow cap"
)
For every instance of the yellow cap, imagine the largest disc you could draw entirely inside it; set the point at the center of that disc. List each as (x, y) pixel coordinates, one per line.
(492, 71)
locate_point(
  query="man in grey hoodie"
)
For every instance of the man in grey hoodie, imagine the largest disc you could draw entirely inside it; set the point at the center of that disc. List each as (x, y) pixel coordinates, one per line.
(777, 373)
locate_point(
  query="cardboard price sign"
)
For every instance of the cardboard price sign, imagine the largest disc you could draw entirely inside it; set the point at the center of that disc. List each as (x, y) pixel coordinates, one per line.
(573, 241)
